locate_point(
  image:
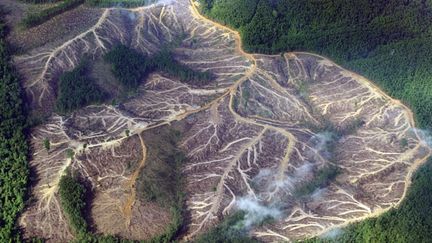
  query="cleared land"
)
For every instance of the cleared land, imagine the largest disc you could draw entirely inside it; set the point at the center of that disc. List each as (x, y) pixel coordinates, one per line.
(264, 127)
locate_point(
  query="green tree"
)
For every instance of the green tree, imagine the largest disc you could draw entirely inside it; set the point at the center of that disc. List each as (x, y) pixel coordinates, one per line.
(47, 144)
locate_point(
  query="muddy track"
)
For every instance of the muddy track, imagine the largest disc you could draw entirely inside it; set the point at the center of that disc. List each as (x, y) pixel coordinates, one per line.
(127, 209)
(254, 135)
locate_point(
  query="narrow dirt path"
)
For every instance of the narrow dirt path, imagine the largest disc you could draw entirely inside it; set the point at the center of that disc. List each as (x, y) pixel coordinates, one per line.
(130, 201)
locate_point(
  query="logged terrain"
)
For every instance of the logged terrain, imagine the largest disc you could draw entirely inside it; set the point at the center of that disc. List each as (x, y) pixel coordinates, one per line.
(262, 130)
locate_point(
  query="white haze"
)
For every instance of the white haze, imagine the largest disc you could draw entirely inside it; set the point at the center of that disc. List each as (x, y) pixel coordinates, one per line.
(332, 234)
(258, 209)
(425, 135)
(165, 2)
(320, 141)
(255, 211)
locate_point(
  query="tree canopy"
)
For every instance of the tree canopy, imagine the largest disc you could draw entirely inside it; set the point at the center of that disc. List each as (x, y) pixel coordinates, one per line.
(131, 67)
(13, 146)
(77, 89)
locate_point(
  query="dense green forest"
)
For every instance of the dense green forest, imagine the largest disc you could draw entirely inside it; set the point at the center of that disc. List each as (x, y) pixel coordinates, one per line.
(34, 19)
(77, 89)
(128, 66)
(131, 68)
(388, 41)
(13, 146)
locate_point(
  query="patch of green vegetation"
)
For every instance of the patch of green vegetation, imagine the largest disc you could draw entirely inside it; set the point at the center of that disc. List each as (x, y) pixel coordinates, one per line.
(303, 88)
(322, 178)
(410, 222)
(13, 145)
(47, 144)
(403, 143)
(164, 61)
(128, 66)
(131, 67)
(70, 153)
(230, 230)
(35, 19)
(245, 94)
(387, 41)
(77, 89)
(72, 202)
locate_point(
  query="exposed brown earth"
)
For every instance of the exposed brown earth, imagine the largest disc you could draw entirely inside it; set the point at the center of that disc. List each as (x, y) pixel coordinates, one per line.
(256, 133)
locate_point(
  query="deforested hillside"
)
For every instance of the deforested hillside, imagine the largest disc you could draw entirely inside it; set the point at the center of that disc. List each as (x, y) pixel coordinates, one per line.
(191, 132)
(387, 41)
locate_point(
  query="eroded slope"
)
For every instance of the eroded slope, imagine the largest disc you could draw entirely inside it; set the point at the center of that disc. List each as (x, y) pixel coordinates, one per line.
(259, 131)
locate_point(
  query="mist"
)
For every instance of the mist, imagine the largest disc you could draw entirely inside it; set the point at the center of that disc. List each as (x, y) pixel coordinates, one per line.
(332, 234)
(164, 2)
(320, 142)
(255, 212)
(424, 135)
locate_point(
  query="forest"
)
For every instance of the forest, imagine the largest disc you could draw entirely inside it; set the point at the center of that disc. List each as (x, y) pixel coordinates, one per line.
(386, 41)
(14, 169)
(77, 89)
(131, 68)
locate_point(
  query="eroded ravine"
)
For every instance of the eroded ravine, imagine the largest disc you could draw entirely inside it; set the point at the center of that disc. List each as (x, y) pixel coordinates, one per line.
(233, 139)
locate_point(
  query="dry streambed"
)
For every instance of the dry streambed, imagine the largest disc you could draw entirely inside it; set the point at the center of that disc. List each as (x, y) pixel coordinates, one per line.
(260, 131)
